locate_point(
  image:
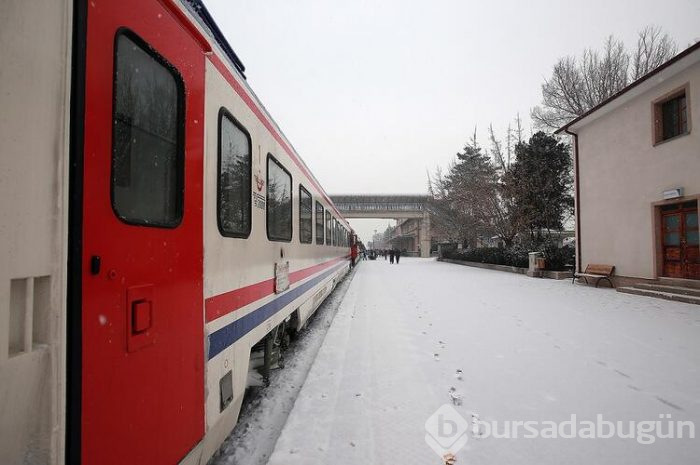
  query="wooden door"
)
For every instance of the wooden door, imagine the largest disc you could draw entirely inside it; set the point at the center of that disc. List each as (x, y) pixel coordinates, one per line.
(681, 249)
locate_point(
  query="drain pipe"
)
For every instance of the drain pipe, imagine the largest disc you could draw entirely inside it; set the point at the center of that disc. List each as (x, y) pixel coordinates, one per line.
(577, 205)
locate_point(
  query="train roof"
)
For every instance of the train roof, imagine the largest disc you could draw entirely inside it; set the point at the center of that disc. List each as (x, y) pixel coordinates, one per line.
(204, 19)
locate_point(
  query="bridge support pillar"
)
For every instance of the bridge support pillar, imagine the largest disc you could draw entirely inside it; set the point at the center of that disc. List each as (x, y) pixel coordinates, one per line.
(424, 235)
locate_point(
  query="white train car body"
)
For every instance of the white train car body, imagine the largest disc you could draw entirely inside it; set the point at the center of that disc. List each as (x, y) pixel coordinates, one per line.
(156, 226)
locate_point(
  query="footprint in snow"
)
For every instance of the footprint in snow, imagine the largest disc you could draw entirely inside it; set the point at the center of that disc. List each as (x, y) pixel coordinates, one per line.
(476, 427)
(455, 397)
(458, 374)
(436, 357)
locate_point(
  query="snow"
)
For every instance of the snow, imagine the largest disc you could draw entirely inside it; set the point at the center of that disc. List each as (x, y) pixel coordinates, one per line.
(495, 346)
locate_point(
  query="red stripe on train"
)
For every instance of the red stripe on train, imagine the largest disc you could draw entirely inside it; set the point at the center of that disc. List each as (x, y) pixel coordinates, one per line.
(228, 302)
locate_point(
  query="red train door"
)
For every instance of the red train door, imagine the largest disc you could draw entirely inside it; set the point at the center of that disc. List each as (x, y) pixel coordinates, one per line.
(142, 317)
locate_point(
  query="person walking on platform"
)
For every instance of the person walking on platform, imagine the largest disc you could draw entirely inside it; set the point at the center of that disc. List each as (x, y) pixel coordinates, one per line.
(398, 255)
(391, 257)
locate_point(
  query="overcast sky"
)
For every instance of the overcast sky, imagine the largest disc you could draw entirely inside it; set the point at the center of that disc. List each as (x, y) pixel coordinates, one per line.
(373, 94)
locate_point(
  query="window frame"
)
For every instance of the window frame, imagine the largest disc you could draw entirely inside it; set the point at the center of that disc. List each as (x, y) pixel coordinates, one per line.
(180, 126)
(311, 218)
(323, 224)
(327, 226)
(657, 114)
(224, 113)
(272, 158)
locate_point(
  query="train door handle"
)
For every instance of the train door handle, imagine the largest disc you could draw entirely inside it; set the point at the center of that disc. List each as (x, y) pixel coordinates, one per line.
(140, 317)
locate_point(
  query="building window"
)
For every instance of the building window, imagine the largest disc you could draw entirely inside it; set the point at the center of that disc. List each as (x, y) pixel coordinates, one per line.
(319, 223)
(279, 201)
(305, 216)
(671, 116)
(233, 194)
(147, 136)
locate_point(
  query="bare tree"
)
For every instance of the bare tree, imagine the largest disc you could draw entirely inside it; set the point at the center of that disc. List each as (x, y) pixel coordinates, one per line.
(500, 204)
(577, 85)
(653, 49)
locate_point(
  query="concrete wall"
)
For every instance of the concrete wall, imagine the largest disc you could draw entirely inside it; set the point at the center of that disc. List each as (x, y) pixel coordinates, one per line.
(622, 174)
(34, 105)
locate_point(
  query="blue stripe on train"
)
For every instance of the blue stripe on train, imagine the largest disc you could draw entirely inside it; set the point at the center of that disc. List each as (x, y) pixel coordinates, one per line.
(224, 337)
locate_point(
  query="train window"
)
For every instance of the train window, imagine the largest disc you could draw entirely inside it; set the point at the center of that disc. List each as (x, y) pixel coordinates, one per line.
(319, 223)
(328, 228)
(279, 201)
(233, 188)
(305, 216)
(335, 232)
(147, 185)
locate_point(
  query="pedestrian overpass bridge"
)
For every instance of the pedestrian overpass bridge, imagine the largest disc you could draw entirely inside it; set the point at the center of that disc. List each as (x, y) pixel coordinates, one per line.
(412, 232)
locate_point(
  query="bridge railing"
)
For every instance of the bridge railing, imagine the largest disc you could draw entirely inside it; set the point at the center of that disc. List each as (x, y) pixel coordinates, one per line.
(373, 207)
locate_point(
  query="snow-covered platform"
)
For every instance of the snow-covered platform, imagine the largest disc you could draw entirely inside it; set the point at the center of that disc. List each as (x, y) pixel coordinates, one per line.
(528, 350)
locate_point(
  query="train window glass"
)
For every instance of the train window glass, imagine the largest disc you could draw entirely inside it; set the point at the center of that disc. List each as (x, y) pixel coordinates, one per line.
(233, 189)
(328, 228)
(305, 216)
(319, 223)
(147, 136)
(335, 232)
(279, 201)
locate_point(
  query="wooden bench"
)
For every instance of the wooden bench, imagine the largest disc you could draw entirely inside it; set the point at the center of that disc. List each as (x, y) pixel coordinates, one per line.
(596, 272)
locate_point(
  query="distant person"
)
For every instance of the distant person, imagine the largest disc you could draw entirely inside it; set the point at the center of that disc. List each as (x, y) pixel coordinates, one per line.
(398, 255)
(353, 255)
(385, 254)
(391, 257)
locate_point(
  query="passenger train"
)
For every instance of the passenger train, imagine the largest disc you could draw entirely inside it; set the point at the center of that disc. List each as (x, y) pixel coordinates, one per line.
(156, 226)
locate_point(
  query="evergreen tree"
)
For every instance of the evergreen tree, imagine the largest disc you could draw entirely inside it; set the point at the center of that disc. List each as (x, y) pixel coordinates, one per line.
(471, 187)
(540, 184)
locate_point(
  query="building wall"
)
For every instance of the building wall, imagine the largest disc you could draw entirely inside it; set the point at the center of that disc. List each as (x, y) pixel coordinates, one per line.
(622, 174)
(34, 105)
